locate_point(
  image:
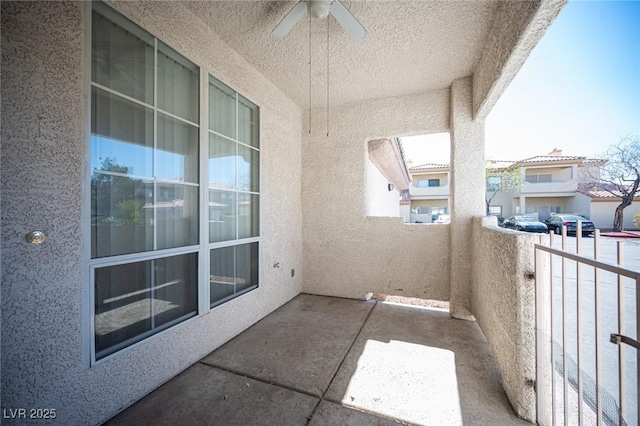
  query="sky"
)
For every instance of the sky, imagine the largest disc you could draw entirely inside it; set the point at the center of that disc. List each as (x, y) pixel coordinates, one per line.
(579, 90)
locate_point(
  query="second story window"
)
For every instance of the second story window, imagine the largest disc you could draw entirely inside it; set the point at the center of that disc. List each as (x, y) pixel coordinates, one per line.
(425, 183)
(540, 178)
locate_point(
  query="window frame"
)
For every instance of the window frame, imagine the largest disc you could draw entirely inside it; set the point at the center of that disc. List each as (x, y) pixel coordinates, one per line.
(202, 248)
(211, 79)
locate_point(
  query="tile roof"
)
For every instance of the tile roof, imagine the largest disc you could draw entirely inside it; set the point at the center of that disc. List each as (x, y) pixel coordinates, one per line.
(551, 158)
(428, 166)
(595, 191)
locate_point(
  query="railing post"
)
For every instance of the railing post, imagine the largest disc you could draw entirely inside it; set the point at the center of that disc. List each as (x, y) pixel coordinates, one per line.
(622, 368)
(544, 368)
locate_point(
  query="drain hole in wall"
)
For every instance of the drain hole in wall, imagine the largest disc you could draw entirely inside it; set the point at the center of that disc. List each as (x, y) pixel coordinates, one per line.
(411, 301)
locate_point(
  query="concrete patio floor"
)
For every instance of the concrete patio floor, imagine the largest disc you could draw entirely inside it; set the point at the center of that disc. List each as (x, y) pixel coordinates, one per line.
(325, 361)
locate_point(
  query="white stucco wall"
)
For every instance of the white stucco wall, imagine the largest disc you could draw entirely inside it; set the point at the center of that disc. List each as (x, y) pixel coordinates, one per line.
(602, 213)
(44, 111)
(580, 204)
(379, 201)
(346, 253)
(467, 192)
(504, 306)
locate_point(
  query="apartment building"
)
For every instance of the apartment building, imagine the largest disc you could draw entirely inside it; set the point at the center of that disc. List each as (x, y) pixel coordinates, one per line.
(547, 184)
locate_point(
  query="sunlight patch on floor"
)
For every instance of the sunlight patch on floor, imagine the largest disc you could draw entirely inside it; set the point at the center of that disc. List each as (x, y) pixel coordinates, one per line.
(406, 381)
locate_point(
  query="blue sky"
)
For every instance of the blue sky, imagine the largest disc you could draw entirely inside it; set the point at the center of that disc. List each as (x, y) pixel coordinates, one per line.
(578, 91)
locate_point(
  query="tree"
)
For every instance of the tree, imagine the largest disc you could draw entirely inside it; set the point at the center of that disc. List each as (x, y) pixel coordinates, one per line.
(620, 175)
(506, 179)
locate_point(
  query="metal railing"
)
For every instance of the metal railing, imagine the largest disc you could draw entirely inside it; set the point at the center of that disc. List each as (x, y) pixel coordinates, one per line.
(586, 304)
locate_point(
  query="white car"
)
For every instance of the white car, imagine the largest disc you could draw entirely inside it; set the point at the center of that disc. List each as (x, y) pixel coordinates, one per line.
(443, 218)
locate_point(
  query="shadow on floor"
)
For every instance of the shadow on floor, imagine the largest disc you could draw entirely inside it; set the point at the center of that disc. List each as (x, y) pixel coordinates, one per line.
(322, 360)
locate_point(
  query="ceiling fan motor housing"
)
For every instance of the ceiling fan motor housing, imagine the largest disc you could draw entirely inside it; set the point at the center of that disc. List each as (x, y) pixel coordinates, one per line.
(319, 8)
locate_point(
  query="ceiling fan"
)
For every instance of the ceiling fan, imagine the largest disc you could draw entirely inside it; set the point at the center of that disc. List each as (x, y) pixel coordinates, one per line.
(321, 9)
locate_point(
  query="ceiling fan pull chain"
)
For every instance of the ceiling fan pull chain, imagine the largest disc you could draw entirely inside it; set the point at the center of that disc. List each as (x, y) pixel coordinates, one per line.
(328, 23)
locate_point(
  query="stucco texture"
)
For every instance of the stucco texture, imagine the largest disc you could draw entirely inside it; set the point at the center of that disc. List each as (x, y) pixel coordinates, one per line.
(346, 253)
(44, 144)
(504, 306)
(466, 196)
(516, 30)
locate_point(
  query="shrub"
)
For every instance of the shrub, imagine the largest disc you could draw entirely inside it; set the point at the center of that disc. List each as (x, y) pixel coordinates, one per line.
(636, 220)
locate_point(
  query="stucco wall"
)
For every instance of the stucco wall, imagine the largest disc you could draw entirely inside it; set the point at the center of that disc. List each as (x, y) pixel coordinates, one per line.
(444, 178)
(516, 30)
(602, 213)
(466, 194)
(379, 200)
(44, 116)
(346, 253)
(504, 306)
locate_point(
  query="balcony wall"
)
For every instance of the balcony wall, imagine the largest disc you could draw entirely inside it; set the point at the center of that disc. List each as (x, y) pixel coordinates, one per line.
(503, 302)
(431, 191)
(550, 187)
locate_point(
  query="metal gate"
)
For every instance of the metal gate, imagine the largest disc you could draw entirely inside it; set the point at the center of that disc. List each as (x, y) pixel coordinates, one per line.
(586, 333)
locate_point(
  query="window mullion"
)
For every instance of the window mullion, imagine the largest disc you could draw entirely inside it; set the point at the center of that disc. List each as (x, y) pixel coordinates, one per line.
(204, 258)
(155, 144)
(152, 280)
(236, 177)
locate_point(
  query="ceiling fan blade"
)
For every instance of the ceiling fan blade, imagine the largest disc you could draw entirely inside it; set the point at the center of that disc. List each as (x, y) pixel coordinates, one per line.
(348, 21)
(292, 18)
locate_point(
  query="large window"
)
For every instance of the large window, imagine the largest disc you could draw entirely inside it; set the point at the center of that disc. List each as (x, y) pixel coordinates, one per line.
(147, 219)
(234, 192)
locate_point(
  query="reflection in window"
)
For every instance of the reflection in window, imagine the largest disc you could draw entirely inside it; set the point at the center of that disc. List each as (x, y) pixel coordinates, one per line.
(145, 188)
(144, 185)
(234, 166)
(234, 193)
(137, 299)
(234, 270)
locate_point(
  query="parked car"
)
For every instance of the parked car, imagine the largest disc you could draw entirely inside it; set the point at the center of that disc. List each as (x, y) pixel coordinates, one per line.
(443, 218)
(555, 222)
(524, 223)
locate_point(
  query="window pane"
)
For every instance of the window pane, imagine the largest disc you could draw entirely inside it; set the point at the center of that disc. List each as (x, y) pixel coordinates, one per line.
(176, 210)
(222, 111)
(246, 266)
(120, 59)
(177, 154)
(222, 163)
(177, 84)
(233, 269)
(135, 300)
(176, 288)
(222, 274)
(121, 135)
(248, 169)
(119, 222)
(248, 217)
(222, 216)
(248, 125)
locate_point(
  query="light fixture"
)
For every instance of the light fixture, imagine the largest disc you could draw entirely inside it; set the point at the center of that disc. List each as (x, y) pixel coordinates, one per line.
(390, 186)
(319, 8)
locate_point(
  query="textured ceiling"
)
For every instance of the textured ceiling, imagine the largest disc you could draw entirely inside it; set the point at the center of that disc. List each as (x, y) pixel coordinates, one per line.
(411, 46)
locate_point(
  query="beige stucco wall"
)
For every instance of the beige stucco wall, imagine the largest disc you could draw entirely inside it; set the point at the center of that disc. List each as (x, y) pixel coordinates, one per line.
(346, 253)
(602, 213)
(558, 174)
(44, 117)
(429, 203)
(379, 201)
(504, 306)
(466, 194)
(444, 178)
